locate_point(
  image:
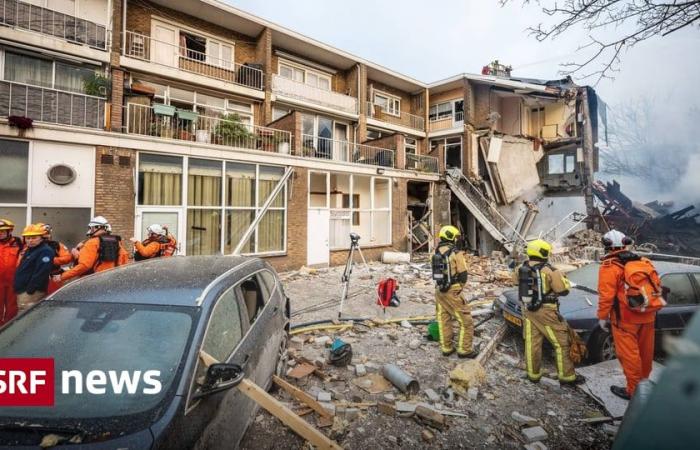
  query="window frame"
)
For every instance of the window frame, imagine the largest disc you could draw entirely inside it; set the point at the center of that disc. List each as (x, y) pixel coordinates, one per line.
(182, 28)
(393, 102)
(305, 71)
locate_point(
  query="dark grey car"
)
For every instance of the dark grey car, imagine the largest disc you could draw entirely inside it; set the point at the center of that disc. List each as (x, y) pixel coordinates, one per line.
(203, 322)
(580, 306)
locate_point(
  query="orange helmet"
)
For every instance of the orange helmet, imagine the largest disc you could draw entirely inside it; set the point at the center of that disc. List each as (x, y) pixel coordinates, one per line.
(6, 225)
(33, 230)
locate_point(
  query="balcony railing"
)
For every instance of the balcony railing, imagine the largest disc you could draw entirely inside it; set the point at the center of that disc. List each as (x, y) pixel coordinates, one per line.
(421, 163)
(344, 151)
(402, 118)
(51, 105)
(140, 46)
(143, 120)
(53, 23)
(447, 122)
(290, 88)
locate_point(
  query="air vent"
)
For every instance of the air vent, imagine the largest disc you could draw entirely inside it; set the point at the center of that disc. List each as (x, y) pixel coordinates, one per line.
(125, 161)
(107, 159)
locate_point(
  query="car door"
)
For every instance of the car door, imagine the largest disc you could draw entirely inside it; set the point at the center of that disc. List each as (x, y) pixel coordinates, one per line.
(682, 302)
(223, 416)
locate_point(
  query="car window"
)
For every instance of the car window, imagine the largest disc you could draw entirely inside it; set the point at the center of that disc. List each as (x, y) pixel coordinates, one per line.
(682, 292)
(253, 296)
(225, 328)
(268, 282)
(585, 276)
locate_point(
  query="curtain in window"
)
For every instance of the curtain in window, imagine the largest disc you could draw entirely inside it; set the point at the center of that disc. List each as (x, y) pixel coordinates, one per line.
(72, 78)
(271, 231)
(160, 188)
(203, 232)
(237, 222)
(29, 70)
(240, 185)
(203, 190)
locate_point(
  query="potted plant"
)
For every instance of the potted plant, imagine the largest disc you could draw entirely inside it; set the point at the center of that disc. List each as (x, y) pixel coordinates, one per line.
(21, 123)
(231, 131)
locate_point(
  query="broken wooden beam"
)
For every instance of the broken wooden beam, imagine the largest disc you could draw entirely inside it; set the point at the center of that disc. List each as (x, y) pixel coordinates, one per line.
(486, 352)
(287, 416)
(302, 396)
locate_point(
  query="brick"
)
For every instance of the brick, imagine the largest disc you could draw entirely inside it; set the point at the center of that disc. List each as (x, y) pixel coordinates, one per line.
(533, 434)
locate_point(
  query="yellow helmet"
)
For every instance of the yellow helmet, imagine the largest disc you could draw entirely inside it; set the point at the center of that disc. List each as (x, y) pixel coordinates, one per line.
(6, 225)
(33, 230)
(539, 248)
(448, 233)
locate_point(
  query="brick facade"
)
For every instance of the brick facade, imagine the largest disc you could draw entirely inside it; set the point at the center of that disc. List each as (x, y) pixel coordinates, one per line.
(114, 190)
(291, 123)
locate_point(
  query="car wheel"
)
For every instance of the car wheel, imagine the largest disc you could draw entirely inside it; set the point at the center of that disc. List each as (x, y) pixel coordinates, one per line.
(601, 347)
(282, 356)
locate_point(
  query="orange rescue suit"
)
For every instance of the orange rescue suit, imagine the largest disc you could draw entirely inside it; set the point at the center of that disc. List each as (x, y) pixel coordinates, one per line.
(148, 249)
(632, 331)
(88, 260)
(62, 258)
(9, 256)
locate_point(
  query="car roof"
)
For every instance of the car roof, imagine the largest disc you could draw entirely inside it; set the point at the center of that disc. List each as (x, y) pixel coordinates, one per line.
(664, 267)
(175, 281)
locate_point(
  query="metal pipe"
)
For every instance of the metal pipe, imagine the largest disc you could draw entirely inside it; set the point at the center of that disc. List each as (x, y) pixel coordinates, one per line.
(406, 383)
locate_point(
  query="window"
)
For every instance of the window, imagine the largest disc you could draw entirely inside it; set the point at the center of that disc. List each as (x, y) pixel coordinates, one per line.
(305, 75)
(252, 297)
(410, 146)
(160, 180)
(203, 190)
(35, 71)
(453, 150)
(72, 78)
(269, 283)
(560, 164)
(205, 49)
(682, 292)
(68, 223)
(278, 113)
(192, 46)
(390, 104)
(224, 330)
(15, 168)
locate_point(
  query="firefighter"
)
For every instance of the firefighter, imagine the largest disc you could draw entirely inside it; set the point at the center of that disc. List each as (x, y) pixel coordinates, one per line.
(632, 331)
(10, 248)
(33, 268)
(541, 315)
(100, 251)
(159, 243)
(449, 303)
(62, 256)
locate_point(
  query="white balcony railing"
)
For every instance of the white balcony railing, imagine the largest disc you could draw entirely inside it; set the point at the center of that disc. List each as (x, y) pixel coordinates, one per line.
(447, 122)
(290, 88)
(344, 151)
(143, 120)
(51, 105)
(140, 46)
(402, 118)
(421, 163)
(53, 23)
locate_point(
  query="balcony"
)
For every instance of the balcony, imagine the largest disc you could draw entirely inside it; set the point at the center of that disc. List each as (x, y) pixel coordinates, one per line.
(421, 163)
(300, 91)
(448, 122)
(344, 151)
(143, 120)
(145, 48)
(29, 17)
(51, 105)
(402, 118)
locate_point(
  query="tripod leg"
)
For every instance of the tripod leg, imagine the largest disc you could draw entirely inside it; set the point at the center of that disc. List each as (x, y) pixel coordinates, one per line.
(346, 280)
(364, 261)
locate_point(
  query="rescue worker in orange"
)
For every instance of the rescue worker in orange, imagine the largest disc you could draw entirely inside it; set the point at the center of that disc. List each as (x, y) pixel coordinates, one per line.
(63, 256)
(10, 248)
(101, 251)
(449, 303)
(158, 244)
(33, 268)
(632, 331)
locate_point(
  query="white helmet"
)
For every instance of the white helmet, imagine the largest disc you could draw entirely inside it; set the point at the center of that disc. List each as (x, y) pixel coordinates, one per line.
(96, 223)
(615, 239)
(156, 229)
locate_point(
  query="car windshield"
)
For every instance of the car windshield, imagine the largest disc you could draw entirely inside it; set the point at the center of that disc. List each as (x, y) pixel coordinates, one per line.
(85, 337)
(586, 276)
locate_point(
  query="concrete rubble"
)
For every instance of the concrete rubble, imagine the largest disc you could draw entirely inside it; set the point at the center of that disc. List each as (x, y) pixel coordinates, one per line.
(369, 412)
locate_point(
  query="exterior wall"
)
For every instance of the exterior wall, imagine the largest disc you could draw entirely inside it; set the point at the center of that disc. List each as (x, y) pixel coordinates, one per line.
(291, 123)
(482, 105)
(399, 215)
(115, 198)
(407, 104)
(263, 54)
(297, 222)
(393, 142)
(453, 94)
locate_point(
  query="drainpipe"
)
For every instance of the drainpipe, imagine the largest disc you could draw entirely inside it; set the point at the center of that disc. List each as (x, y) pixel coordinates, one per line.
(124, 3)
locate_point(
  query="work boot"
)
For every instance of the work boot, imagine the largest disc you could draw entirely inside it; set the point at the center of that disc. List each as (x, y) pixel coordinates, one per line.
(575, 382)
(471, 355)
(448, 353)
(620, 392)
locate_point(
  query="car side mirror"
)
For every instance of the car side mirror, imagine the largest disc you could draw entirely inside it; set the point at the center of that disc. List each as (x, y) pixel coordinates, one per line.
(220, 377)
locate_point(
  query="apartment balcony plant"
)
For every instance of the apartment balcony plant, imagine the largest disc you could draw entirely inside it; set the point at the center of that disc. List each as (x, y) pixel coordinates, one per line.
(230, 129)
(97, 85)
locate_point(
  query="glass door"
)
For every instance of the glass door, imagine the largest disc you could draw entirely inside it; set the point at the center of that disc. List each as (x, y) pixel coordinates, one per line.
(168, 218)
(340, 144)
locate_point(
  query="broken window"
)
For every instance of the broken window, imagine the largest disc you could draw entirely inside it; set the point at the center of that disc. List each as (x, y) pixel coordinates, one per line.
(318, 190)
(453, 152)
(193, 46)
(560, 164)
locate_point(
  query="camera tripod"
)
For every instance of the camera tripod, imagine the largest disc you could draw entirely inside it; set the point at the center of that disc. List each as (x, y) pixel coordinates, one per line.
(354, 245)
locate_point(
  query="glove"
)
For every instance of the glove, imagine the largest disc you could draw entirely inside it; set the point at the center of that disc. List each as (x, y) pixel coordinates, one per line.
(603, 324)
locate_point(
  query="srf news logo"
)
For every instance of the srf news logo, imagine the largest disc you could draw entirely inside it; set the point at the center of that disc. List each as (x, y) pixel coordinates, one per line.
(31, 382)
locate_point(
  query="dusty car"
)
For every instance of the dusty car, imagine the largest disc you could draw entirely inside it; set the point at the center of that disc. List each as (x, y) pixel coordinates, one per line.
(203, 323)
(580, 306)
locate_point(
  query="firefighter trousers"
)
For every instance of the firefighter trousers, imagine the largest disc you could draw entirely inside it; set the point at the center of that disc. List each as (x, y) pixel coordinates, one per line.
(547, 323)
(634, 347)
(8, 303)
(451, 306)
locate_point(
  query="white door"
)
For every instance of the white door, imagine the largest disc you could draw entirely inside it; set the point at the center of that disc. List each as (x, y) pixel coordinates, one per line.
(165, 46)
(171, 219)
(317, 248)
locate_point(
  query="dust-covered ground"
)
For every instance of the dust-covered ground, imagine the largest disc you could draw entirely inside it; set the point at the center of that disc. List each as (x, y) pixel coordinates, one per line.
(486, 420)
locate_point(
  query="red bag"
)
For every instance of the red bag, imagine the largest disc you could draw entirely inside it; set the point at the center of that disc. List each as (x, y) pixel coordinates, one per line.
(386, 293)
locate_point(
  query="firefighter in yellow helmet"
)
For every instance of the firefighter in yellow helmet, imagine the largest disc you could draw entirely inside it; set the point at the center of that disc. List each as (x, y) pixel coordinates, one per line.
(540, 286)
(450, 274)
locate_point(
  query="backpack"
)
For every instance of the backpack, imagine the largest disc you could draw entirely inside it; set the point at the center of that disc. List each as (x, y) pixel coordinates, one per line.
(442, 272)
(386, 293)
(169, 247)
(109, 248)
(642, 283)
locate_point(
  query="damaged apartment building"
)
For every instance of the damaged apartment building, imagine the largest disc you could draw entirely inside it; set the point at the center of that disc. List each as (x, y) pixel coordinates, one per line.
(246, 137)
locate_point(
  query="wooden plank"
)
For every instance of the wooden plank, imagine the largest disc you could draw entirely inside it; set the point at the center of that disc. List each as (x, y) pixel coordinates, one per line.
(491, 346)
(302, 397)
(287, 416)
